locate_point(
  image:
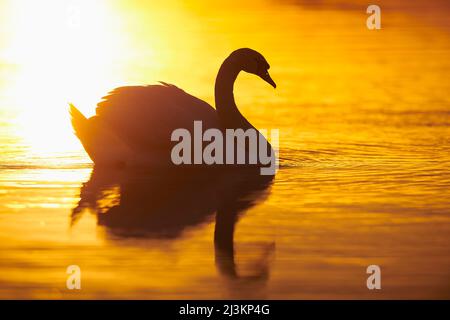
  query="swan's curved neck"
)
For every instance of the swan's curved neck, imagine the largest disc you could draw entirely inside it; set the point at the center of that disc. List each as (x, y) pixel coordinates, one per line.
(229, 115)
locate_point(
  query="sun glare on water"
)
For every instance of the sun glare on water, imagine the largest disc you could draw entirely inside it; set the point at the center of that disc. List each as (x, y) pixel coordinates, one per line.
(61, 51)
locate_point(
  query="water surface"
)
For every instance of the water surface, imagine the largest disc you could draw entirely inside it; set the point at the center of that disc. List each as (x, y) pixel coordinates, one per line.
(364, 120)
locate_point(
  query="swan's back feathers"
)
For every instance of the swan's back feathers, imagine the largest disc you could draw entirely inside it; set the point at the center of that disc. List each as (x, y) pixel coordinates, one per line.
(145, 116)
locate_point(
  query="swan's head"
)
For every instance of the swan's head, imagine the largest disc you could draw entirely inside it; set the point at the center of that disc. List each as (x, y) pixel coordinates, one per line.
(252, 61)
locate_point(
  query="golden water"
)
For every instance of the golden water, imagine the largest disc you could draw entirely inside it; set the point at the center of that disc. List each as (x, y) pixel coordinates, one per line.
(364, 120)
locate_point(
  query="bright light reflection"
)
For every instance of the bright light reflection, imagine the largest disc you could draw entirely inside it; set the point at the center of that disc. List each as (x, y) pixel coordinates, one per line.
(64, 51)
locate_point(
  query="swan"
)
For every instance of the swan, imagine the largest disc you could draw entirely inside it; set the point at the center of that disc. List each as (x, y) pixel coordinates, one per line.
(133, 124)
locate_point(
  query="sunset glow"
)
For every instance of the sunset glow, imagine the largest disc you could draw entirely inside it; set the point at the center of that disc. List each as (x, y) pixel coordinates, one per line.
(361, 118)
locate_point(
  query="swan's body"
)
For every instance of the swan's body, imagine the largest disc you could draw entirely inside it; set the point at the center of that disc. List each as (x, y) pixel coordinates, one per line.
(133, 125)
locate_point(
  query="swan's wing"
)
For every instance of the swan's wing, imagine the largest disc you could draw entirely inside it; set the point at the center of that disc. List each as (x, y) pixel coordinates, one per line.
(145, 116)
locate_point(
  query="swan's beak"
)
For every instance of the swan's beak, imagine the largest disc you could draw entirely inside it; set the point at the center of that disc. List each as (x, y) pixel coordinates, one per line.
(266, 77)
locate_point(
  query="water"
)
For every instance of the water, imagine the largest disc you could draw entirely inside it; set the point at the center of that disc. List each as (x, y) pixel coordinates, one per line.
(364, 120)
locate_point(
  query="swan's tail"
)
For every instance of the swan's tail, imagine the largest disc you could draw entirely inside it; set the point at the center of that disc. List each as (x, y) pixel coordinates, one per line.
(101, 144)
(79, 122)
(82, 129)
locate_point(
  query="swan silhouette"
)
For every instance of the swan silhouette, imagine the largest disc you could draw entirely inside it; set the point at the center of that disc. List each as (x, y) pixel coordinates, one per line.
(133, 124)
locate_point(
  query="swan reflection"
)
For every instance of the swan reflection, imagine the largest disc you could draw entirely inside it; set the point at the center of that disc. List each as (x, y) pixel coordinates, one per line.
(163, 203)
